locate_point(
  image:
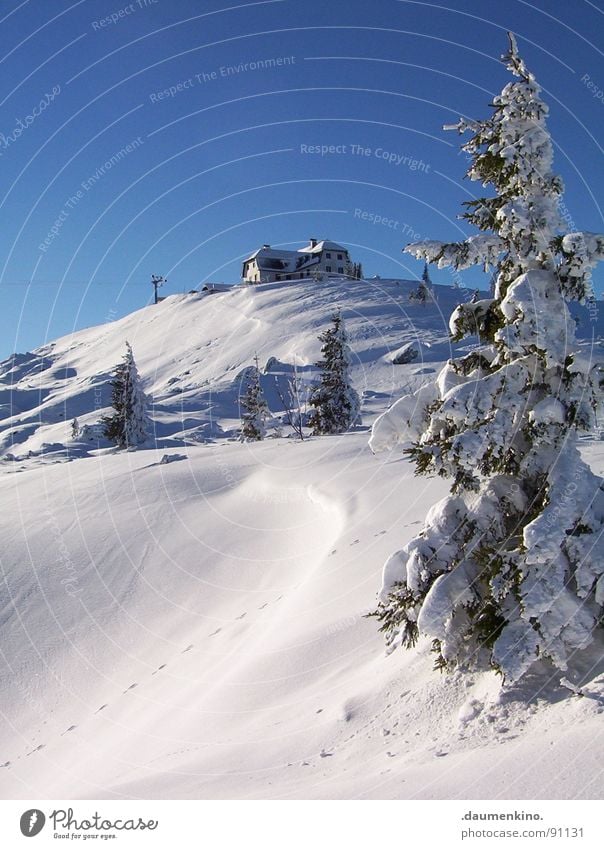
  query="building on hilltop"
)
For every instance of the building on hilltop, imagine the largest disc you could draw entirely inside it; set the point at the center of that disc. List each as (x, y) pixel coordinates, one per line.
(267, 265)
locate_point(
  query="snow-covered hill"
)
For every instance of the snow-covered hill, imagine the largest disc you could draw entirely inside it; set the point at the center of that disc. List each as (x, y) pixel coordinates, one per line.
(192, 352)
(196, 628)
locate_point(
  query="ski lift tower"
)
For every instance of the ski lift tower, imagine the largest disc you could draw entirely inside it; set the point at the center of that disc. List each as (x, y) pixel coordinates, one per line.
(157, 281)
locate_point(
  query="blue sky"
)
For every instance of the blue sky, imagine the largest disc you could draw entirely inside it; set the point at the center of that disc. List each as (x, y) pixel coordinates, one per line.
(147, 137)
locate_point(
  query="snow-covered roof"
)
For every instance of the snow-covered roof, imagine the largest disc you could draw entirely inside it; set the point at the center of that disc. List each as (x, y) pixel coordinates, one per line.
(280, 260)
(216, 287)
(324, 245)
(284, 260)
(269, 253)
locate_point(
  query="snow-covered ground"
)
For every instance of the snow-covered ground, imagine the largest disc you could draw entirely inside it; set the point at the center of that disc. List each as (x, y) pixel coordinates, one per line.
(196, 628)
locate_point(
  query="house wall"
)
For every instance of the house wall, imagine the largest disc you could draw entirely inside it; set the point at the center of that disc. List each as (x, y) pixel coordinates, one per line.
(334, 262)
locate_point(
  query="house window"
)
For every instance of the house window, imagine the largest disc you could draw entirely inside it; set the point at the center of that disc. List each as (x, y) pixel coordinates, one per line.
(328, 268)
(288, 277)
(340, 270)
(328, 255)
(339, 256)
(277, 277)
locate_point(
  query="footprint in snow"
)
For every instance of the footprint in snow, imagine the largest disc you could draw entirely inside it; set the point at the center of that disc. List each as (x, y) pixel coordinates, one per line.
(4, 765)
(131, 687)
(355, 542)
(262, 606)
(333, 552)
(217, 631)
(380, 533)
(159, 669)
(102, 707)
(37, 749)
(188, 648)
(71, 728)
(324, 754)
(240, 617)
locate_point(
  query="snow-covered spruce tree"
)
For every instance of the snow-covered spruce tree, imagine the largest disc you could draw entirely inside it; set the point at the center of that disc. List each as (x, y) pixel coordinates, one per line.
(335, 403)
(127, 426)
(255, 408)
(509, 568)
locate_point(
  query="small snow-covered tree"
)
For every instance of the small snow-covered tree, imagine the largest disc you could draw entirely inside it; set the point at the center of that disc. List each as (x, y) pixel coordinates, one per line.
(334, 401)
(127, 426)
(509, 568)
(423, 291)
(75, 428)
(355, 271)
(294, 401)
(255, 408)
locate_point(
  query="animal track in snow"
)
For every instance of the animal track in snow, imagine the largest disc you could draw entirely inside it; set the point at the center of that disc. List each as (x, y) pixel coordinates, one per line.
(102, 707)
(188, 648)
(217, 631)
(71, 728)
(240, 617)
(131, 687)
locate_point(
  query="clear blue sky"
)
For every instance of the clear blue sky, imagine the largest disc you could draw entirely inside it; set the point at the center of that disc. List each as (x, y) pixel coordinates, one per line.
(199, 178)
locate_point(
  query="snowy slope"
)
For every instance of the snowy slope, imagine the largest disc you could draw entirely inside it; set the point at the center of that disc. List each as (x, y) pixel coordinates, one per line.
(196, 628)
(192, 352)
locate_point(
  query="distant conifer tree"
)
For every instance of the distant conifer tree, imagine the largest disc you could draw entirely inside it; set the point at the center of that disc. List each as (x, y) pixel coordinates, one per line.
(335, 403)
(127, 426)
(255, 408)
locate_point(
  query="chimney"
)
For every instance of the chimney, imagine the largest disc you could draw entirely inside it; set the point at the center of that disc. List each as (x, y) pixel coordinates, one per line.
(313, 242)
(266, 246)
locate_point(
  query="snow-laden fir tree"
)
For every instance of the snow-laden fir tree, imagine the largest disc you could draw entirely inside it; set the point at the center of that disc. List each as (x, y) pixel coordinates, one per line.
(335, 403)
(127, 426)
(255, 409)
(509, 568)
(75, 428)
